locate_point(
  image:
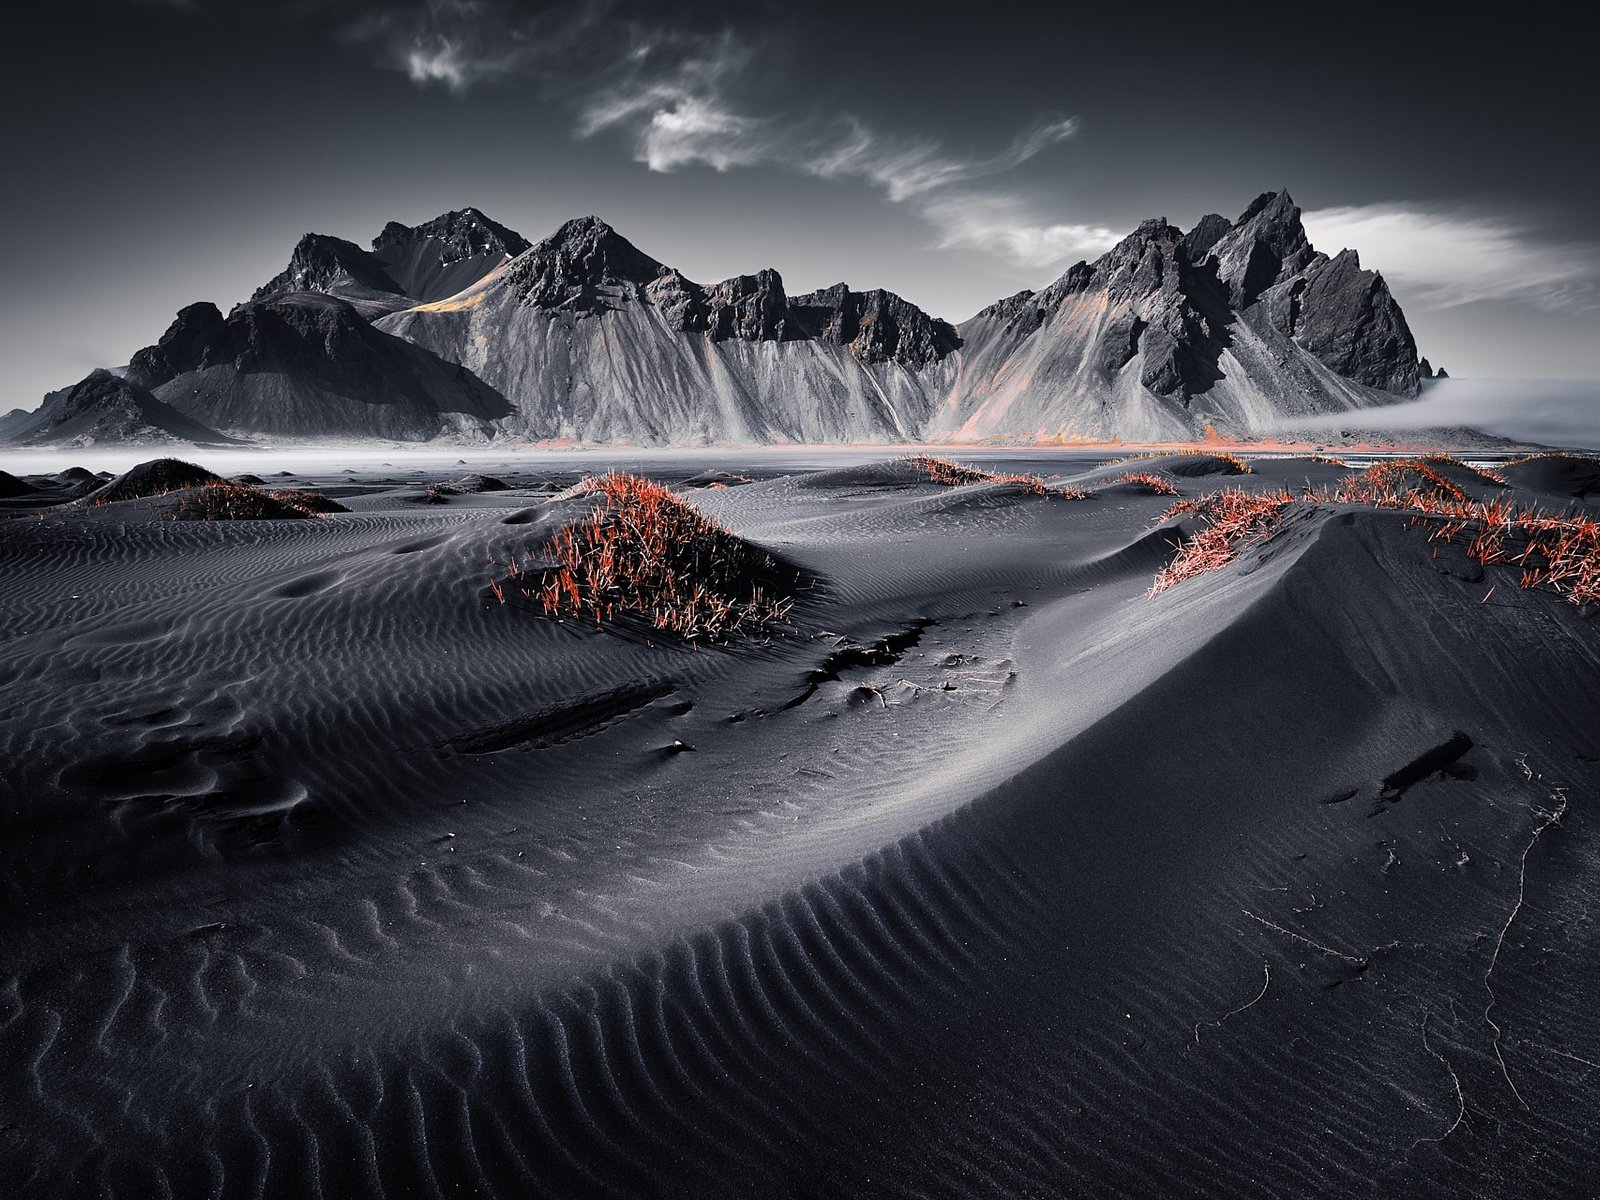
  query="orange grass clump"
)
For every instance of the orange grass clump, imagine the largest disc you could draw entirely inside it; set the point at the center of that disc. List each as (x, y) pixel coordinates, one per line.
(1396, 477)
(1234, 518)
(1482, 473)
(645, 553)
(1156, 485)
(1557, 552)
(953, 474)
(1233, 460)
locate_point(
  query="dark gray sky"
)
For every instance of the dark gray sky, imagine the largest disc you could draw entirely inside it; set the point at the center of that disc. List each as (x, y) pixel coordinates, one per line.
(162, 152)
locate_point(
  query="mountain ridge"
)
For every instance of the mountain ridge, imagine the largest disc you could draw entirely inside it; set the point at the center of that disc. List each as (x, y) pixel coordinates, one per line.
(1231, 325)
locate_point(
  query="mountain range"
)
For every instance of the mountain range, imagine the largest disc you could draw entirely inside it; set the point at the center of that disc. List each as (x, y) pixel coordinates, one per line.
(459, 328)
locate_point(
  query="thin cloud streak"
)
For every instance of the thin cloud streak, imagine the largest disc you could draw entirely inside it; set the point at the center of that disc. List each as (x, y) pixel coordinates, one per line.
(1443, 259)
(674, 95)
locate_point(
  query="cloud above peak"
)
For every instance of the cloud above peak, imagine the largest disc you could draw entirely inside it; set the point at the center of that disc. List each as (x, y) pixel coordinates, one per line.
(1442, 258)
(683, 98)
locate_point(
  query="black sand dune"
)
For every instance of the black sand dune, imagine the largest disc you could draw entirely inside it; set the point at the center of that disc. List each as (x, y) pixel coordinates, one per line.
(324, 874)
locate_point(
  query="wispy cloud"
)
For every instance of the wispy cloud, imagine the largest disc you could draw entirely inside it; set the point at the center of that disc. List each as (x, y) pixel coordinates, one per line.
(682, 98)
(1444, 258)
(1008, 228)
(463, 44)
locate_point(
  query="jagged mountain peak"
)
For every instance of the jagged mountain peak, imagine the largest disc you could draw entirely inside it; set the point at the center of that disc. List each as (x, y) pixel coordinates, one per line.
(466, 232)
(1278, 206)
(323, 263)
(1266, 244)
(583, 255)
(1207, 232)
(1236, 324)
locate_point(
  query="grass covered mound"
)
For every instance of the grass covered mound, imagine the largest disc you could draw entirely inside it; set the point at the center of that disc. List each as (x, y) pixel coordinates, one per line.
(1393, 482)
(186, 492)
(1556, 473)
(1555, 552)
(953, 474)
(154, 478)
(1231, 520)
(645, 557)
(228, 501)
(1148, 481)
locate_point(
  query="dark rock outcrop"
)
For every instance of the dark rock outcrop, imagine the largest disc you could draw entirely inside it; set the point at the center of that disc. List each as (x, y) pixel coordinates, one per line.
(103, 408)
(198, 331)
(408, 264)
(876, 326)
(446, 255)
(332, 265)
(1232, 325)
(583, 266)
(752, 307)
(1348, 319)
(1266, 244)
(307, 364)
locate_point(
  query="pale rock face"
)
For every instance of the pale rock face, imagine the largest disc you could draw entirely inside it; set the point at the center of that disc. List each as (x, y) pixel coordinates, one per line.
(599, 342)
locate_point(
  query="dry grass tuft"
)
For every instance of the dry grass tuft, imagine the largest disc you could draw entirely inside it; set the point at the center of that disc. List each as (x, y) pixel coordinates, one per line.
(1557, 552)
(1528, 458)
(227, 501)
(314, 503)
(644, 555)
(953, 474)
(1234, 518)
(1156, 485)
(1239, 465)
(1487, 476)
(1396, 477)
(438, 493)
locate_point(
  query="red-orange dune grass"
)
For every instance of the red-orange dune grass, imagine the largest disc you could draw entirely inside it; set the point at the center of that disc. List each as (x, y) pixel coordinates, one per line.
(1234, 519)
(1156, 485)
(953, 474)
(643, 552)
(1557, 552)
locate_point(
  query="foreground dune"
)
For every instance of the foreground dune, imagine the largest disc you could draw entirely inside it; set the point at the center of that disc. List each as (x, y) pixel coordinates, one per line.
(326, 873)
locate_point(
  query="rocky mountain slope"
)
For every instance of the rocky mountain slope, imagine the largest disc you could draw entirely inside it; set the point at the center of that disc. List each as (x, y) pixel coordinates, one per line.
(599, 342)
(1233, 325)
(460, 327)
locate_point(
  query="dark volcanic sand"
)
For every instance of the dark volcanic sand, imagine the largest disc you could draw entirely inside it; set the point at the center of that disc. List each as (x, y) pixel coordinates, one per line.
(326, 875)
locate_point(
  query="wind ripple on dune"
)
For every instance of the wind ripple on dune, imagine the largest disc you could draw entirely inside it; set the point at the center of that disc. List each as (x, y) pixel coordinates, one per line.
(965, 956)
